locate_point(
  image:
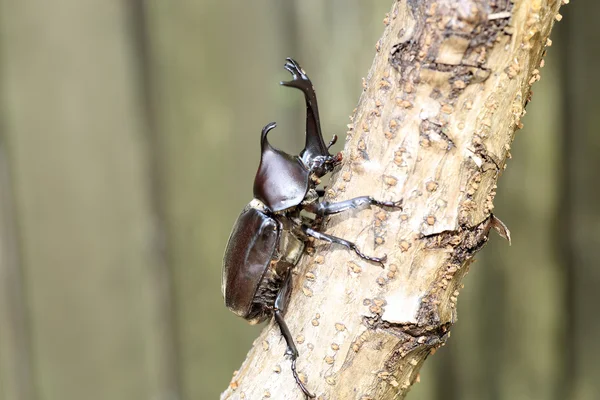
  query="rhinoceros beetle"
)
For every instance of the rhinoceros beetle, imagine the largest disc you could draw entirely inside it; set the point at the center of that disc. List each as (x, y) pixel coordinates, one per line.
(269, 236)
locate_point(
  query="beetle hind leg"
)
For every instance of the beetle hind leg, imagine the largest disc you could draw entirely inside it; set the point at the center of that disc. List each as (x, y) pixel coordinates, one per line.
(291, 350)
(334, 239)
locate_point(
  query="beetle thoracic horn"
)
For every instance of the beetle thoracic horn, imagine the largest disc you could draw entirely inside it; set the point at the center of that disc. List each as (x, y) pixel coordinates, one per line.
(265, 131)
(315, 145)
(276, 169)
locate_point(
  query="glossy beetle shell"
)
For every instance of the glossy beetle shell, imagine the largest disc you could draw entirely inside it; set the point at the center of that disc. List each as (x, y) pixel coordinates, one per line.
(282, 180)
(250, 249)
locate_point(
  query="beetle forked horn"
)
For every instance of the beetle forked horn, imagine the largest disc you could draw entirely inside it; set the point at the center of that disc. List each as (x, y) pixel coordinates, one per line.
(315, 145)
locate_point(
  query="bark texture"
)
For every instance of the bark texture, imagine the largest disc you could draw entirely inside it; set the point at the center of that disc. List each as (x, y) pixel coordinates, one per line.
(434, 125)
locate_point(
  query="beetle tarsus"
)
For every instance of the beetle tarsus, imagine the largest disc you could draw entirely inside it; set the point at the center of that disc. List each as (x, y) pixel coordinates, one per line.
(291, 350)
(299, 381)
(378, 260)
(392, 204)
(334, 239)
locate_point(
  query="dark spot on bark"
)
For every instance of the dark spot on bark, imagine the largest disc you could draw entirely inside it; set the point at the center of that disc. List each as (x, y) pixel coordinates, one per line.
(432, 131)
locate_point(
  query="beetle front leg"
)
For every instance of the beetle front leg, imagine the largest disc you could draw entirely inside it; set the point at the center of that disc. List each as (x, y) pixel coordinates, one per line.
(334, 239)
(292, 351)
(324, 208)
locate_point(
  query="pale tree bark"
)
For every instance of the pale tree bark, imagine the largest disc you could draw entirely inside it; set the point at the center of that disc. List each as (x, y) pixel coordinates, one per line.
(434, 125)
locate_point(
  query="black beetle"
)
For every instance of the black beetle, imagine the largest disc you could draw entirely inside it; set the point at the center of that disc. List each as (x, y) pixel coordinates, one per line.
(268, 237)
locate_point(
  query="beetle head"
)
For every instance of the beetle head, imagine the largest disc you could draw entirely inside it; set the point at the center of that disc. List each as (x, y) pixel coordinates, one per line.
(315, 154)
(282, 180)
(324, 163)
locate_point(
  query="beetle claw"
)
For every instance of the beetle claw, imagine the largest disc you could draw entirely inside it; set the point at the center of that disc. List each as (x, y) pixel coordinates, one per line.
(300, 383)
(393, 204)
(398, 204)
(378, 260)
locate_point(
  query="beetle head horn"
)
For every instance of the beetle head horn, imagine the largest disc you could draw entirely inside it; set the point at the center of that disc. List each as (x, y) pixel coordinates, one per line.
(281, 180)
(315, 153)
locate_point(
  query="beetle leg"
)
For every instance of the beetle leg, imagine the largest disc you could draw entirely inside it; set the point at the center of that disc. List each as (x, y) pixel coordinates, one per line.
(292, 351)
(334, 239)
(325, 208)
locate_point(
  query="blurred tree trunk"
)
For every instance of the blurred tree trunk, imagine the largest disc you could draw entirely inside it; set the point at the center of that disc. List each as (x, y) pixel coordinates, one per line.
(579, 221)
(209, 63)
(80, 263)
(445, 94)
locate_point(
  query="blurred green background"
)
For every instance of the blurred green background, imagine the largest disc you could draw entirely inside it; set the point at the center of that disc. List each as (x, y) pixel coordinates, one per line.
(129, 136)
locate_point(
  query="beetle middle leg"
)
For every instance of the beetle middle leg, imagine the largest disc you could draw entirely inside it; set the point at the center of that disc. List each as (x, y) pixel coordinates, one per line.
(324, 208)
(292, 351)
(334, 239)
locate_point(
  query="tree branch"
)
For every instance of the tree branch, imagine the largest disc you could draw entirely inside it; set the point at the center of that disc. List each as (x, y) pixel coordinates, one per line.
(444, 96)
